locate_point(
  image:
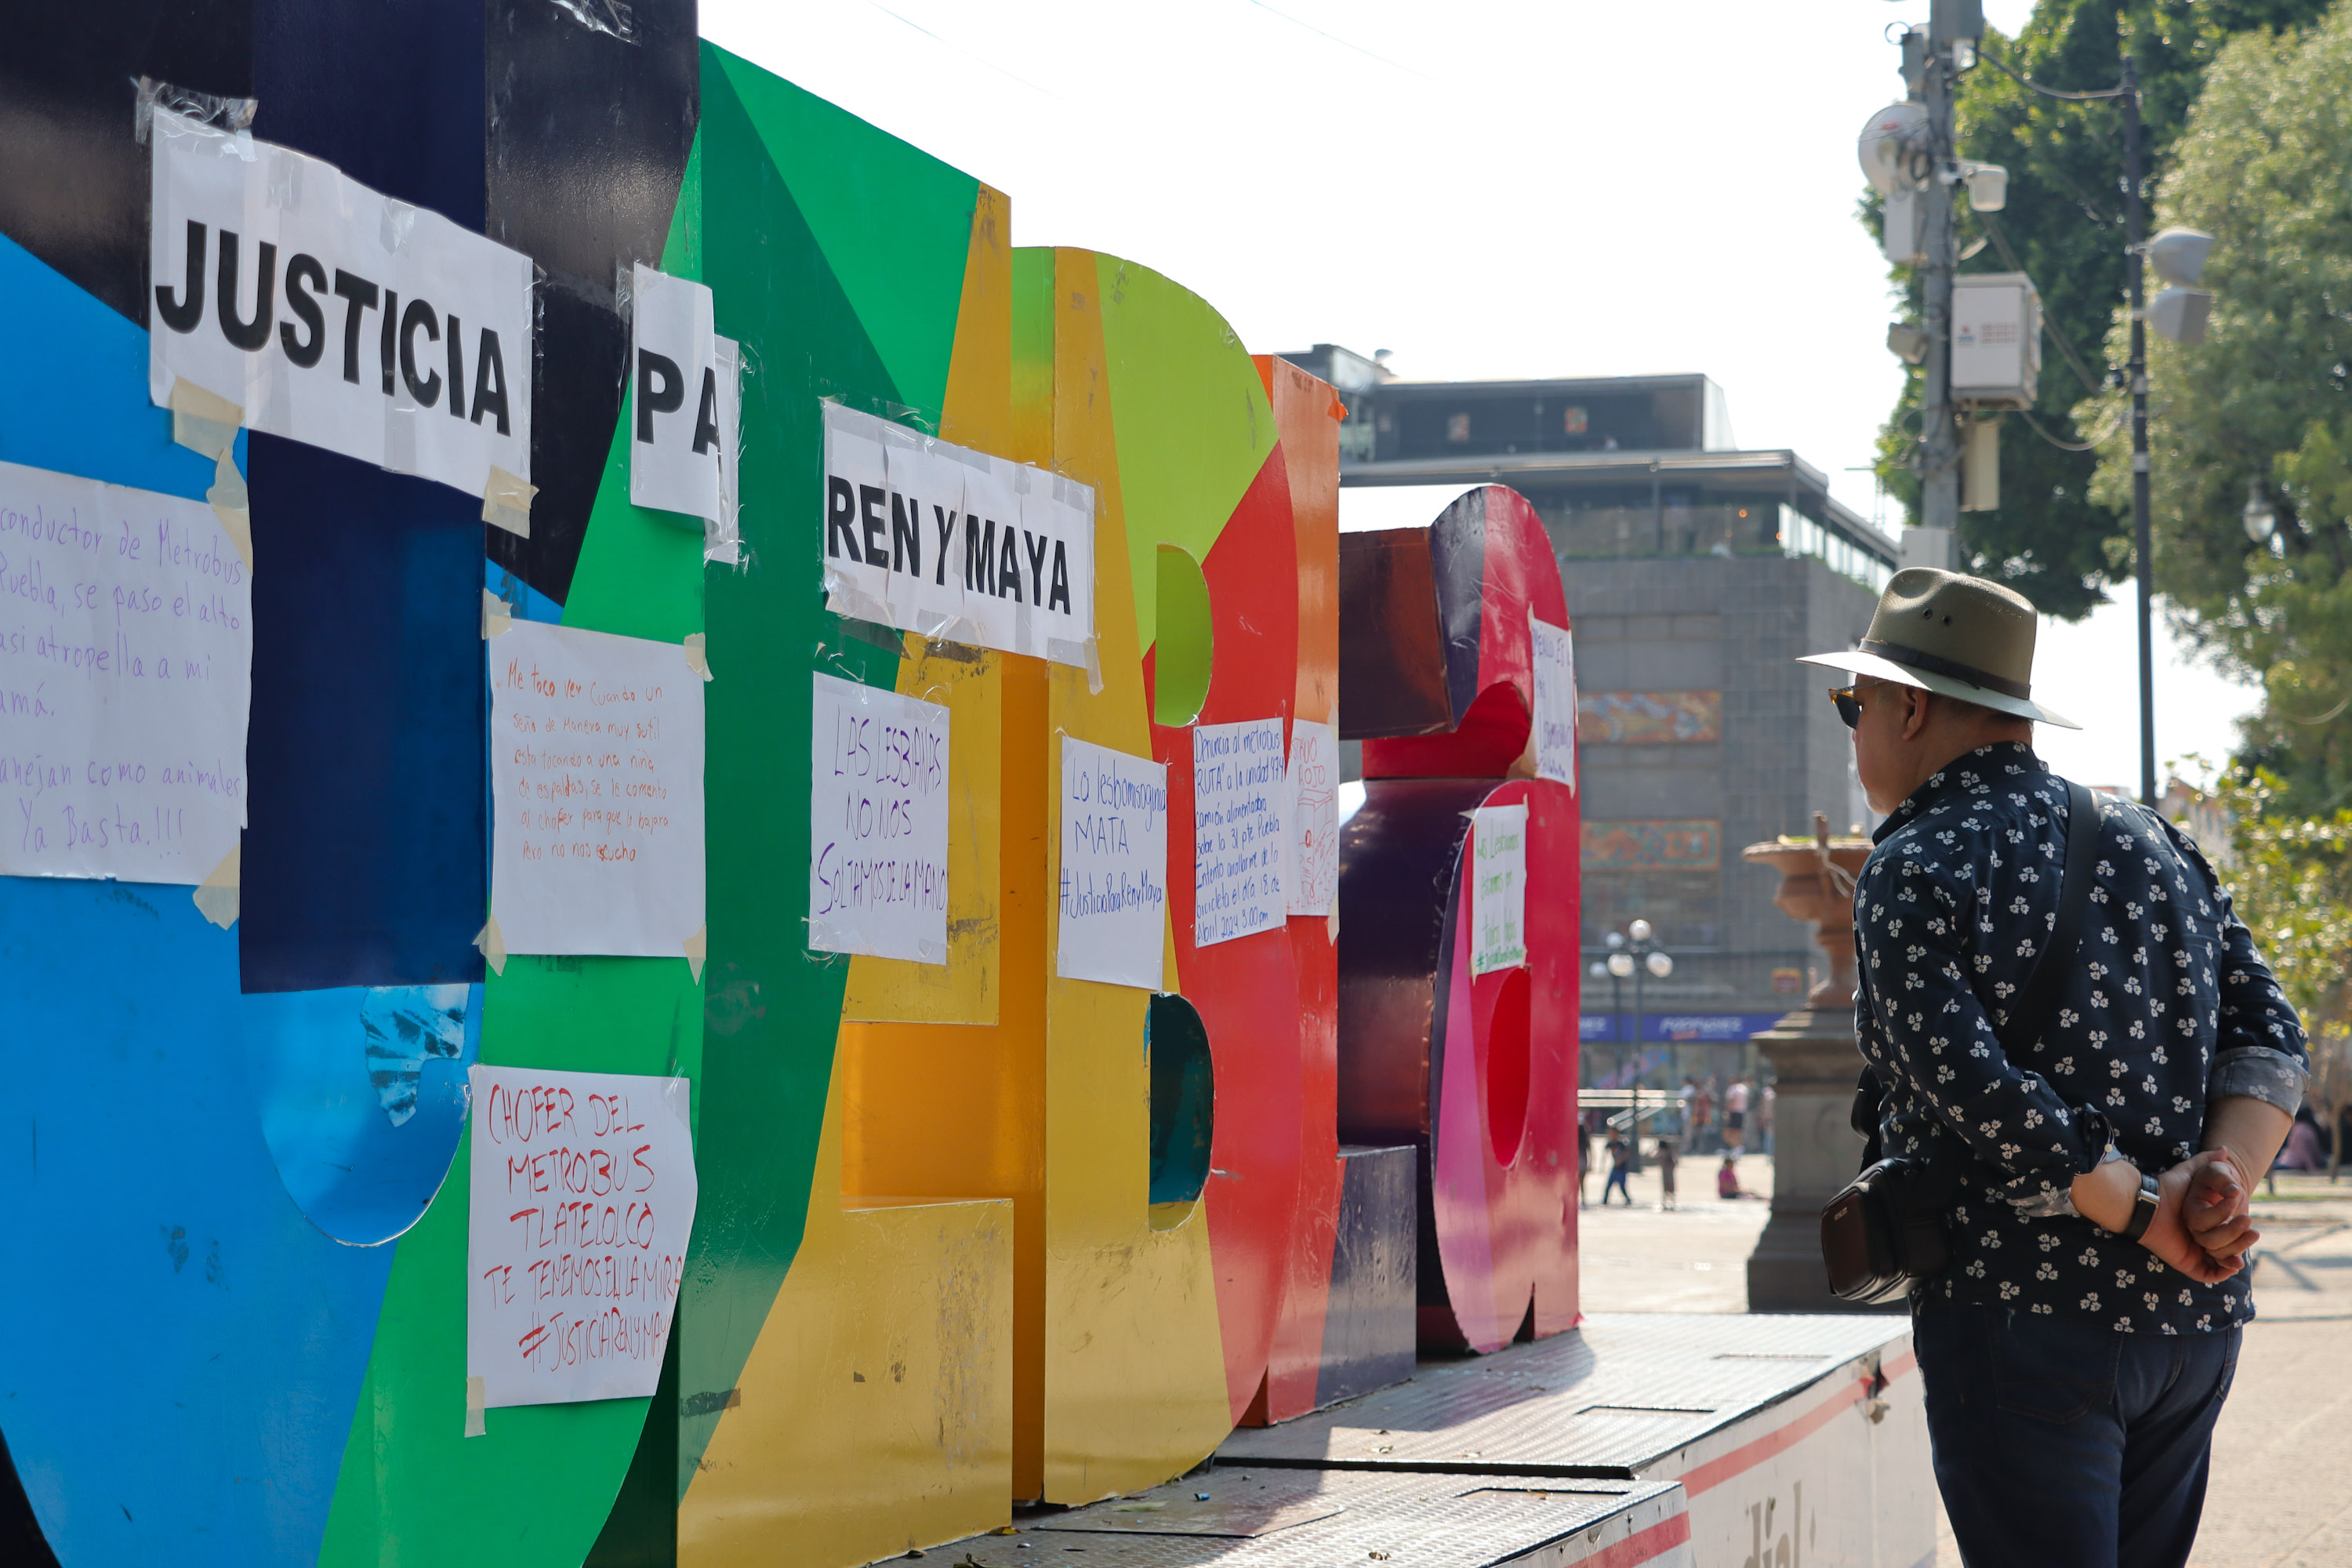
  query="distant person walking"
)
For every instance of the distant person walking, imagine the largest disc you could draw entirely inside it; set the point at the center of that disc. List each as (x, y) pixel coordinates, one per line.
(1665, 1174)
(1619, 1158)
(1703, 1116)
(1734, 1115)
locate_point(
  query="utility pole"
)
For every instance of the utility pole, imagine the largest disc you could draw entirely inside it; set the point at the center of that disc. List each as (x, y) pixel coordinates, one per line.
(1939, 433)
(2135, 269)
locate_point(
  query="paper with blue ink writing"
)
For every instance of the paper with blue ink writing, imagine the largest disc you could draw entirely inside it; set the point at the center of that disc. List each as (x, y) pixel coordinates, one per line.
(1110, 919)
(126, 679)
(1240, 799)
(877, 823)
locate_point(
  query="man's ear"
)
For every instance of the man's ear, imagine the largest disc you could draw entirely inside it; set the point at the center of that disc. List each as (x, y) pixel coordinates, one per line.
(1914, 714)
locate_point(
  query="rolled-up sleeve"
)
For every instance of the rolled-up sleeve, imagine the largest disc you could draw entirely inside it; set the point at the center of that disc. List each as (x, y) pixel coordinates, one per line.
(2259, 1050)
(1924, 1024)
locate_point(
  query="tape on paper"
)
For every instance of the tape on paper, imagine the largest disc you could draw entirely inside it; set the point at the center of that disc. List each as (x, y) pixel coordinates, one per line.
(203, 421)
(506, 502)
(698, 951)
(493, 945)
(477, 1416)
(497, 617)
(219, 896)
(698, 656)
(230, 504)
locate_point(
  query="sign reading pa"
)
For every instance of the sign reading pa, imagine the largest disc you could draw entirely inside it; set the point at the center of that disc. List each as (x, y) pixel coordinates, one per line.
(954, 544)
(685, 398)
(332, 315)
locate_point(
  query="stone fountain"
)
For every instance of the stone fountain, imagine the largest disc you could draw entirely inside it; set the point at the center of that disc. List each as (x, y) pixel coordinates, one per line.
(1815, 1061)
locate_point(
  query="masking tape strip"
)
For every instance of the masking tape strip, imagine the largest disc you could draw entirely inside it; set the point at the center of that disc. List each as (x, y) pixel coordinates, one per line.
(697, 950)
(493, 945)
(697, 653)
(219, 896)
(203, 421)
(231, 505)
(477, 1418)
(506, 502)
(497, 617)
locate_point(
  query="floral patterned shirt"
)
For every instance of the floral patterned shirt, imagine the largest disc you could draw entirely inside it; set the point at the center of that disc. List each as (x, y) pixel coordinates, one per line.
(2167, 1007)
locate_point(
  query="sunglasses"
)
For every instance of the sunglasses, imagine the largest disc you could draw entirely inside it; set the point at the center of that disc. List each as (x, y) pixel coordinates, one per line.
(1849, 705)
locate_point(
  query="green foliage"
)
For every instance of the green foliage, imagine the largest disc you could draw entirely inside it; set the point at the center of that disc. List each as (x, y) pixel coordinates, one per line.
(2291, 877)
(2053, 538)
(2261, 169)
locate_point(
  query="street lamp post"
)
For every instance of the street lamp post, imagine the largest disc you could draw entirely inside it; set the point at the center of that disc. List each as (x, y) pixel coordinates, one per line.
(1634, 952)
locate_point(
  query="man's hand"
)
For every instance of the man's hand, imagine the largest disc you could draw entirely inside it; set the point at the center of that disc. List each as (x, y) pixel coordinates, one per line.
(2217, 1205)
(2167, 1233)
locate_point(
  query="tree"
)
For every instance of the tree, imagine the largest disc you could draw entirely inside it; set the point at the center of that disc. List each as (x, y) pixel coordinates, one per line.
(2052, 539)
(2263, 399)
(2291, 879)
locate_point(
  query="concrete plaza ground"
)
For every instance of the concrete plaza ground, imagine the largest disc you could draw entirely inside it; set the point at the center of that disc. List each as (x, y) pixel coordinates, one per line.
(2280, 1495)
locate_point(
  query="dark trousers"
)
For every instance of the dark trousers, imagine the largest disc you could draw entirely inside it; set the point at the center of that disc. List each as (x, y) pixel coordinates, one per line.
(2060, 1442)
(1616, 1183)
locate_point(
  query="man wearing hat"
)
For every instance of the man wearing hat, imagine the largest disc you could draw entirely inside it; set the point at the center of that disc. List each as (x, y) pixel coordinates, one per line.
(2078, 1348)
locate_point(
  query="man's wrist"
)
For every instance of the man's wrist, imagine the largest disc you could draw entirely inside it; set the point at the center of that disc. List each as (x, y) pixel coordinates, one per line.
(2105, 1194)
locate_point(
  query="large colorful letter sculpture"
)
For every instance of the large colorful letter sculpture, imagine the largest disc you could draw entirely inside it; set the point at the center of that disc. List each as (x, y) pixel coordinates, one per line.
(1477, 1070)
(967, 1233)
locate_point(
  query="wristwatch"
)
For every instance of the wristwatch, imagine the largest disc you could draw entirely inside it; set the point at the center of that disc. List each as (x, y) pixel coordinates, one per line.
(2143, 1209)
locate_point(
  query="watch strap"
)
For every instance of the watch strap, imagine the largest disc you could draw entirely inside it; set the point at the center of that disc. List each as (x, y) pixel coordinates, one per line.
(2144, 1204)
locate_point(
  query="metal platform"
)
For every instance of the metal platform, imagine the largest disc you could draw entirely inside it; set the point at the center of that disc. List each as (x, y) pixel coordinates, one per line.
(1639, 1440)
(1237, 1518)
(1614, 1399)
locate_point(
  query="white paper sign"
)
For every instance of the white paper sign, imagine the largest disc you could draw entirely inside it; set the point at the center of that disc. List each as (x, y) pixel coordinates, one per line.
(679, 435)
(1555, 717)
(954, 544)
(877, 823)
(583, 1195)
(1499, 888)
(1312, 875)
(596, 754)
(1114, 896)
(126, 674)
(1239, 791)
(335, 315)
(722, 536)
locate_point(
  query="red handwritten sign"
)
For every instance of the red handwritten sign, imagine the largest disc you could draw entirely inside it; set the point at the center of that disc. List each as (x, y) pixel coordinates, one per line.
(583, 1195)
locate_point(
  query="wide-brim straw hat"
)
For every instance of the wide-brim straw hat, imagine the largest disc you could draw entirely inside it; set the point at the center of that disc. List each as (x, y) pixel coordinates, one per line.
(1956, 635)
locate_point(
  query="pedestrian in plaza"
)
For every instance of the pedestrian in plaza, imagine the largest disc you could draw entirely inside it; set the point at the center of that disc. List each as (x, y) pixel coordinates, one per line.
(1583, 1157)
(1665, 1174)
(1734, 1115)
(2088, 1140)
(1620, 1157)
(1703, 1113)
(1684, 1099)
(1764, 1119)
(1726, 1179)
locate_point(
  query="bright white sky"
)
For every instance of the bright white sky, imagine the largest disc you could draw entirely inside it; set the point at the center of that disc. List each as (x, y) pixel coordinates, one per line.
(1489, 188)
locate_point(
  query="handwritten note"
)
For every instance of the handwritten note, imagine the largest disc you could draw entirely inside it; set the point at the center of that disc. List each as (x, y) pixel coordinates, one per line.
(126, 674)
(877, 823)
(1238, 795)
(596, 772)
(1114, 895)
(1313, 873)
(1555, 715)
(583, 1195)
(1499, 888)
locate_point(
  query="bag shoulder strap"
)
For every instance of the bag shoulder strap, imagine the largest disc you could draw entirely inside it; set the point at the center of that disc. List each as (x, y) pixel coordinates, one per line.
(2039, 996)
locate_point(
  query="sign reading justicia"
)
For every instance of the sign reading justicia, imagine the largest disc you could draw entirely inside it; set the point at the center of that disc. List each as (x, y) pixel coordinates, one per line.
(318, 310)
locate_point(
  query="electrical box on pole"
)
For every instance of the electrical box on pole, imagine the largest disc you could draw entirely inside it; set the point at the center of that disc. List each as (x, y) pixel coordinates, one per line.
(1996, 340)
(1980, 467)
(1954, 22)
